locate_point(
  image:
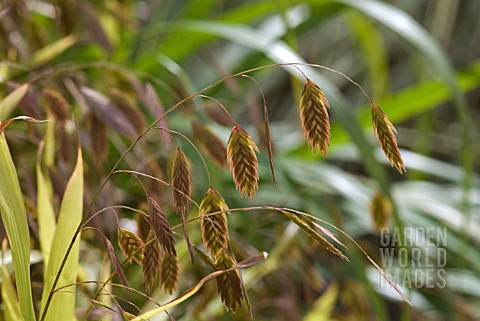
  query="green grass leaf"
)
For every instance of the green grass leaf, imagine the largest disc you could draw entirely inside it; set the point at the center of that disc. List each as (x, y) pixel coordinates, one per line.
(52, 50)
(45, 214)
(11, 101)
(62, 305)
(324, 305)
(14, 219)
(9, 297)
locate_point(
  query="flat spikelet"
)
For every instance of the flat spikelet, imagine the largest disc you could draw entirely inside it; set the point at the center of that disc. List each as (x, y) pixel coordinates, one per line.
(161, 227)
(381, 210)
(210, 143)
(116, 263)
(131, 245)
(229, 284)
(182, 188)
(129, 108)
(243, 161)
(216, 114)
(169, 272)
(151, 262)
(98, 135)
(385, 132)
(314, 115)
(181, 182)
(55, 102)
(214, 227)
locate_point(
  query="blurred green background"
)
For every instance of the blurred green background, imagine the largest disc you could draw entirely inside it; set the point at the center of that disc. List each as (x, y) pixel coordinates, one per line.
(418, 59)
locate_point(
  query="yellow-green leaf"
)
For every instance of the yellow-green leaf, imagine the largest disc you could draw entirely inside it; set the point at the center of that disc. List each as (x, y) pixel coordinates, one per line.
(45, 213)
(11, 101)
(52, 50)
(9, 298)
(62, 305)
(14, 219)
(323, 307)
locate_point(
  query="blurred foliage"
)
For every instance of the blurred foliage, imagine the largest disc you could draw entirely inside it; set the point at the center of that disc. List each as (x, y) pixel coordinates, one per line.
(119, 64)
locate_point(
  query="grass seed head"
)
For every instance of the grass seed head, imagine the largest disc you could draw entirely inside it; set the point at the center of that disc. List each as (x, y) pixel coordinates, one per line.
(381, 210)
(127, 105)
(314, 115)
(181, 183)
(131, 245)
(229, 284)
(214, 227)
(151, 262)
(169, 272)
(385, 132)
(116, 263)
(57, 104)
(243, 161)
(161, 227)
(210, 143)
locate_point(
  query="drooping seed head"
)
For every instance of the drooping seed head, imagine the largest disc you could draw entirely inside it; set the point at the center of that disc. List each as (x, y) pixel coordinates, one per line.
(210, 143)
(181, 183)
(161, 227)
(56, 103)
(314, 115)
(116, 263)
(214, 227)
(127, 105)
(229, 284)
(243, 161)
(151, 262)
(381, 210)
(385, 132)
(131, 245)
(169, 272)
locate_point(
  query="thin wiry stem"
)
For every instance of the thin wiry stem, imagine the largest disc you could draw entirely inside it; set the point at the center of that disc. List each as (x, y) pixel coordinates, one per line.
(341, 74)
(114, 207)
(221, 106)
(193, 145)
(156, 179)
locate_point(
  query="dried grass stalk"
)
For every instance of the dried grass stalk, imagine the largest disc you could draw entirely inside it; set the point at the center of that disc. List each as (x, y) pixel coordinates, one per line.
(57, 104)
(181, 192)
(243, 161)
(385, 132)
(210, 143)
(214, 227)
(314, 115)
(169, 272)
(229, 284)
(152, 262)
(381, 210)
(116, 263)
(161, 227)
(131, 245)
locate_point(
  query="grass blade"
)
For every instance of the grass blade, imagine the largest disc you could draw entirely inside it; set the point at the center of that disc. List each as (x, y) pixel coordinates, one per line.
(52, 50)
(9, 297)
(15, 220)
(63, 304)
(10, 102)
(45, 214)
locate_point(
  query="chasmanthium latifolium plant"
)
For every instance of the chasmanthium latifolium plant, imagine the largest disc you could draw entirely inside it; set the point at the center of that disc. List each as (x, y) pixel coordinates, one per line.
(156, 251)
(240, 155)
